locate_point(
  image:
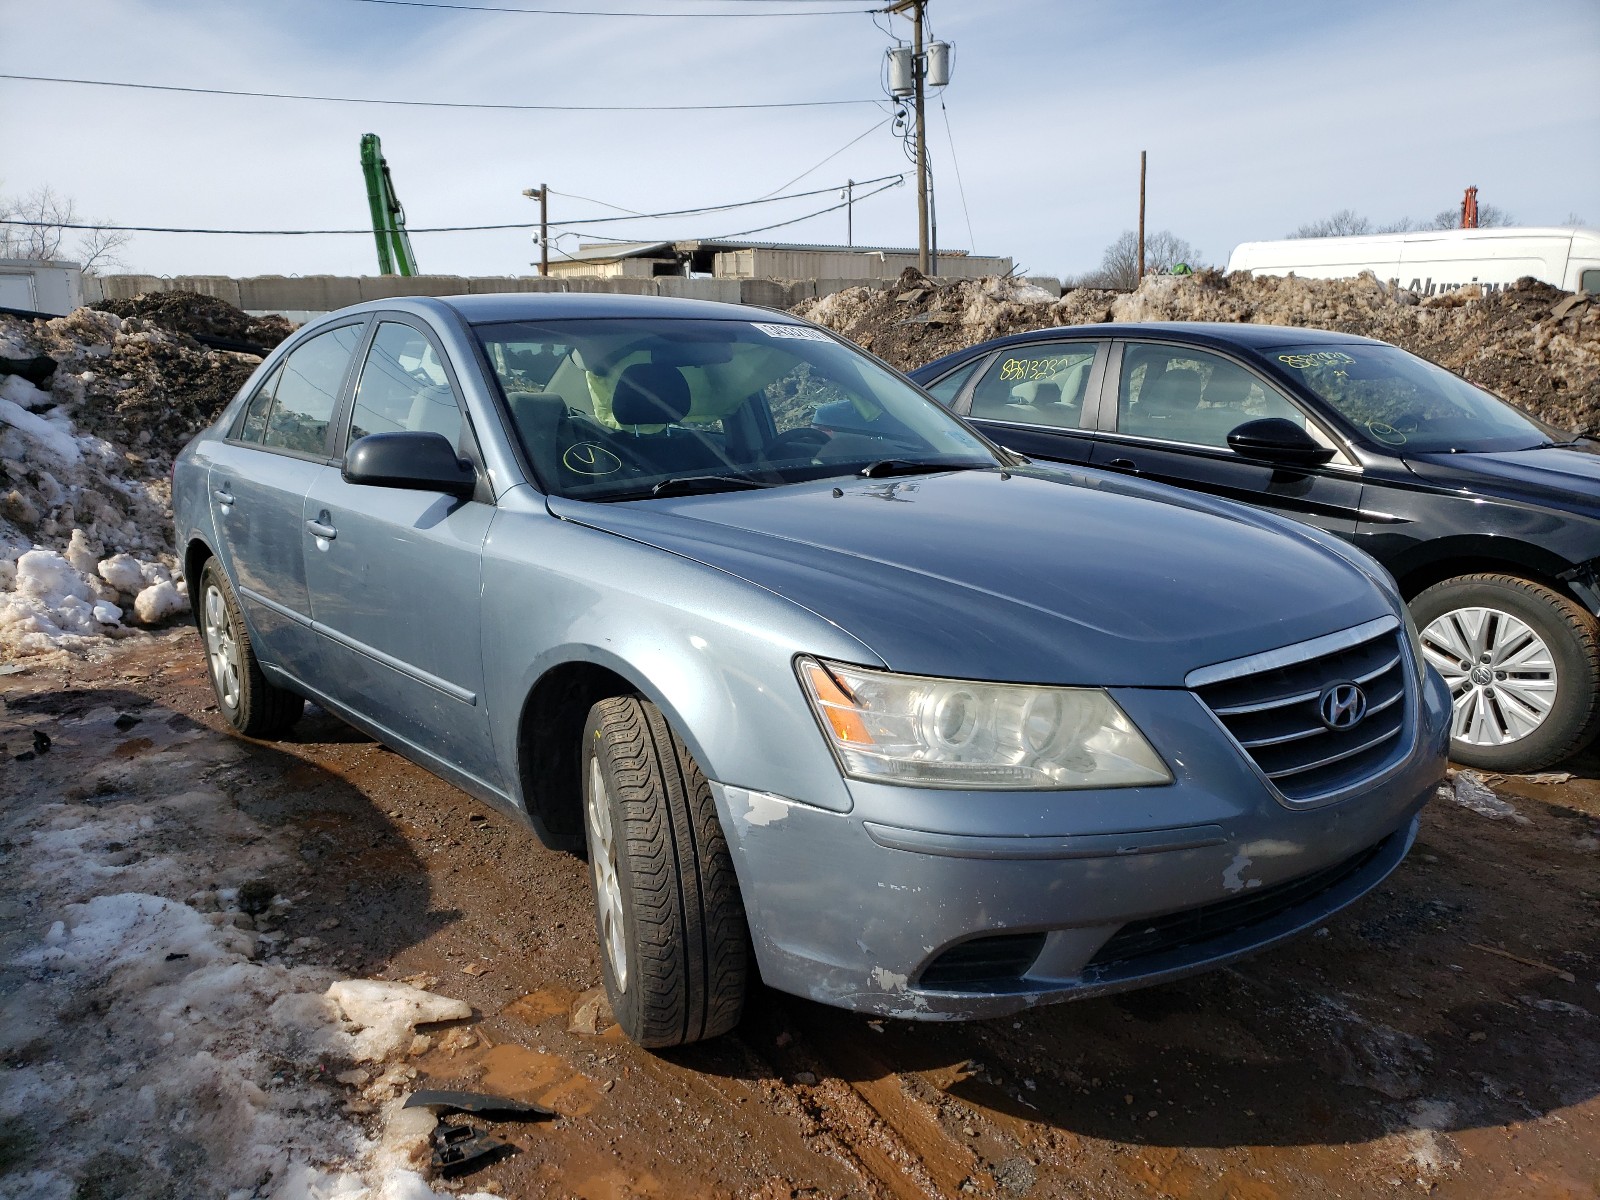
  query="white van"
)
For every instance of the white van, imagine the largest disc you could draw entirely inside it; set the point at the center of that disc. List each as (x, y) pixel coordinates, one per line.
(1436, 260)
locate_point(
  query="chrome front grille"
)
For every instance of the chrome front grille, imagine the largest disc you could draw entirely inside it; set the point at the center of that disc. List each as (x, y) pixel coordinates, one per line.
(1272, 704)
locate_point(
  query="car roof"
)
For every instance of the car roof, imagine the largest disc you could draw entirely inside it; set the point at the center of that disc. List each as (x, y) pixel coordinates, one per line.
(1218, 334)
(493, 307)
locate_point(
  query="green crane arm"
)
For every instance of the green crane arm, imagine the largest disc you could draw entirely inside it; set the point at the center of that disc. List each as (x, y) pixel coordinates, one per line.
(388, 218)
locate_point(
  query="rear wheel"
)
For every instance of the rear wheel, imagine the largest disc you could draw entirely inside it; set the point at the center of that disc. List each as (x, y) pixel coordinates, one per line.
(673, 939)
(252, 706)
(1523, 665)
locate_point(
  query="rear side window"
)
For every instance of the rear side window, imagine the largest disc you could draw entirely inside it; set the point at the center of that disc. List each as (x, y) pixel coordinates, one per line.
(307, 389)
(1036, 385)
(404, 388)
(1589, 282)
(254, 427)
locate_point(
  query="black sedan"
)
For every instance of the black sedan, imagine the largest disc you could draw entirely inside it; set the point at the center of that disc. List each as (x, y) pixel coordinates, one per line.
(1487, 518)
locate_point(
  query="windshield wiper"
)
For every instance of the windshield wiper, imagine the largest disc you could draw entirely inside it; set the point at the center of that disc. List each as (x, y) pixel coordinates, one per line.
(1577, 441)
(694, 485)
(885, 467)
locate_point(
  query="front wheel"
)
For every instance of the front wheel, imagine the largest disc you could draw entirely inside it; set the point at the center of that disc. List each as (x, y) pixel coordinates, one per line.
(673, 939)
(1523, 665)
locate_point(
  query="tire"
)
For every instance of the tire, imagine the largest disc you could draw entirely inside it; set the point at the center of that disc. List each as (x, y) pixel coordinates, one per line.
(673, 938)
(1523, 665)
(251, 705)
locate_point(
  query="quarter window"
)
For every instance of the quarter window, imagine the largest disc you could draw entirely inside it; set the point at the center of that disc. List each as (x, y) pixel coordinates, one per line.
(1180, 394)
(307, 388)
(404, 388)
(1036, 385)
(944, 391)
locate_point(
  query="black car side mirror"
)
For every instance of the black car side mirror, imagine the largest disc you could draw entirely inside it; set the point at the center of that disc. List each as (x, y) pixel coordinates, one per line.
(1280, 441)
(426, 462)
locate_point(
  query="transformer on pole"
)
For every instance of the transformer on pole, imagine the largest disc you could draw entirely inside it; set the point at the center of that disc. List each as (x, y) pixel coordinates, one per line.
(912, 70)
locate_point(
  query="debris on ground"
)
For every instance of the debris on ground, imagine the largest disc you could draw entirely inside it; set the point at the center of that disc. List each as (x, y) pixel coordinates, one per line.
(1468, 789)
(1529, 342)
(203, 318)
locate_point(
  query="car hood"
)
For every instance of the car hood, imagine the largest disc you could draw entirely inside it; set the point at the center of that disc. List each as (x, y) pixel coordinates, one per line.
(1036, 576)
(1564, 477)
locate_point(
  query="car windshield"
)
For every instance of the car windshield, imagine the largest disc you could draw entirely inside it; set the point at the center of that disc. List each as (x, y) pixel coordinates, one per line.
(615, 409)
(1407, 402)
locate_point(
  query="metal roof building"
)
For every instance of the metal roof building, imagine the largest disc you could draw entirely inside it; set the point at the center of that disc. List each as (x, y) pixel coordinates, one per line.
(760, 260)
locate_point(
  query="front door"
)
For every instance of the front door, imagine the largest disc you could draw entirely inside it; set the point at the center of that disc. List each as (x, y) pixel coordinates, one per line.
(1174, 408)
(395, 574)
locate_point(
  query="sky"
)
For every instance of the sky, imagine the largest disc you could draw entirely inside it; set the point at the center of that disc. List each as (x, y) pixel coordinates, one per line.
(1257, 116)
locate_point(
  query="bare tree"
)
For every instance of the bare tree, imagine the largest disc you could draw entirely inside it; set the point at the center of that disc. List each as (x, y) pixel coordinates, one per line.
(1344, 223)
(1119, 267)
(37, 226)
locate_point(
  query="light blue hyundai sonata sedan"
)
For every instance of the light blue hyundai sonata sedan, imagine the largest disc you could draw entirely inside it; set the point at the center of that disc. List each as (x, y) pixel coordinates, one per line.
(870, 708)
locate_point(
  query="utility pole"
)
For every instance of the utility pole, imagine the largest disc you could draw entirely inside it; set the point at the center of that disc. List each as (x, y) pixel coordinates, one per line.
(1141, 216)
(919, 72)
(542, 195)
(849, 212)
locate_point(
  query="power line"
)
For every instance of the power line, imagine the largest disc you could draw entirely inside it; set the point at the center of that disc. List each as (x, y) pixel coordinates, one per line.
(831, 157)
(681, 212)
(165, 87)
(898, 180)
(961, 188)
(588, 12)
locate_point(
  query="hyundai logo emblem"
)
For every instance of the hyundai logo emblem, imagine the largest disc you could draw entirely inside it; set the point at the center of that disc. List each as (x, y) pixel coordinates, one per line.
(1342, 705)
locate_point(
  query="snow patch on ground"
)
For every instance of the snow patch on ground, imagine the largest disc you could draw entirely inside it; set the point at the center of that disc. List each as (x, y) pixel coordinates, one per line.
(162, 1041)
(58, 601)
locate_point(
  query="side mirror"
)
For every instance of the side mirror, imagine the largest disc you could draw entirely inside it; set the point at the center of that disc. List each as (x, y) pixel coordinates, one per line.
(1279, 441)
(425, 462)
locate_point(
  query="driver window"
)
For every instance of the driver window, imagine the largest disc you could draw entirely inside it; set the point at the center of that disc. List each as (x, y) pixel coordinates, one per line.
(1180, 394)
(1036, 385)
(403, 388)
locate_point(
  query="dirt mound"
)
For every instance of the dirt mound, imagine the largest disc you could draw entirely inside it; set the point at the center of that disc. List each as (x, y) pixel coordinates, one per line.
(1531, 343)
(203, 317)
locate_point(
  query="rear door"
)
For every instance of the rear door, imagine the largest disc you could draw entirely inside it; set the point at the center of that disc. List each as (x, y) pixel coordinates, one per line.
(259, 475)
(1035, 398)
(395, 574)
(1166, 415)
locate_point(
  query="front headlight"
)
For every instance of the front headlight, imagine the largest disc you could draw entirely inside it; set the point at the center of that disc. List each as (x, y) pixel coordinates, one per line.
(954, 733)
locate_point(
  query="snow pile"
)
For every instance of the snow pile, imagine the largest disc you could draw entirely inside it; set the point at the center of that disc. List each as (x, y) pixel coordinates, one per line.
(93, 407)
(159, 1040)
(51, 601)
(1535, 345)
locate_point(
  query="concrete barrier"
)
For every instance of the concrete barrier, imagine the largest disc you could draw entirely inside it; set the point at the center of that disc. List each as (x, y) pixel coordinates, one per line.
(300, 297)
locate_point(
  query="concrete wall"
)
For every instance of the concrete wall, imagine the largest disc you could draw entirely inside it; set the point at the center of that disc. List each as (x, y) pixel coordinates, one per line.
(762, 263)
(300, 297)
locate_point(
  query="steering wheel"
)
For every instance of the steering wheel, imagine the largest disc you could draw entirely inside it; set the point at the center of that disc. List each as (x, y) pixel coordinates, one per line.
(797, 443)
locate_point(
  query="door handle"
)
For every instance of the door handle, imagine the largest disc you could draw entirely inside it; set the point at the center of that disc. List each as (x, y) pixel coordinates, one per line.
(326, 532)
(222, 495)
(1123, 464)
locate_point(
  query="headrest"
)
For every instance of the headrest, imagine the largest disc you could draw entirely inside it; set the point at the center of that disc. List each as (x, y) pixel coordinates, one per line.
(1175, 390)
(1228, 389)
(1047, 392)
(650, 394)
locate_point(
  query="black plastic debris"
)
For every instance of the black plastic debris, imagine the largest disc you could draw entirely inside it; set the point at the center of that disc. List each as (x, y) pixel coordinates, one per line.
(480, 1104)
(126, 721)
(41, 742)
(27, 756)
(461, 1149)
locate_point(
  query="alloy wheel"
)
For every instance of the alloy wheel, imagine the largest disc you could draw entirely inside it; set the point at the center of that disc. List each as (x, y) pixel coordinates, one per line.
(1502, 675)
(222, 648)
(607, 885)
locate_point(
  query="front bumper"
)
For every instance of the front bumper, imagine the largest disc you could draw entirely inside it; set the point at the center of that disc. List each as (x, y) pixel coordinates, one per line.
(858, 909)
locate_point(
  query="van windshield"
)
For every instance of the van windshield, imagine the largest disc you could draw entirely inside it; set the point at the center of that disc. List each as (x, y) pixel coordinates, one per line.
(628, 409)
(1407, 402)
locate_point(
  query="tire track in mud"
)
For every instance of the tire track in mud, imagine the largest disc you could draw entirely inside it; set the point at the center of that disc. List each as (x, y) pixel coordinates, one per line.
(863, 1106)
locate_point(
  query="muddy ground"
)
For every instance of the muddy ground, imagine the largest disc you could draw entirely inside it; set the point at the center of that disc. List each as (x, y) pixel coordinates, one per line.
(1440, 1037)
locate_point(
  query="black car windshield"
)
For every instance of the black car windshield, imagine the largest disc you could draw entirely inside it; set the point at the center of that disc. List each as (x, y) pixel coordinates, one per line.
(1407, 402)
(623, 409)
